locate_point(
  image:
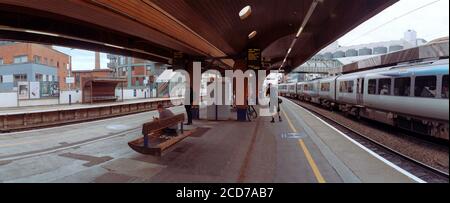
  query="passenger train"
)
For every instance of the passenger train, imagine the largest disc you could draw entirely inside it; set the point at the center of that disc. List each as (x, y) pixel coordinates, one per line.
(409, 96)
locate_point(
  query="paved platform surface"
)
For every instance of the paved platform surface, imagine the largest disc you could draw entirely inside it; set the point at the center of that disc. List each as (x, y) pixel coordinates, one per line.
(32, 109)
(225, 151)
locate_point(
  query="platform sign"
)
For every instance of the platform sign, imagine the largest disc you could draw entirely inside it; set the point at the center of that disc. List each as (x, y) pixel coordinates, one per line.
(35, 90)
(146, 80)
(178, 59)
(70, 80)
(254, 59)
(24, 88)
(8, 78)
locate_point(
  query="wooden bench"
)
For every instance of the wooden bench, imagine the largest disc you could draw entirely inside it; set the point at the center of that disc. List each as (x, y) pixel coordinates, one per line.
(151, 142)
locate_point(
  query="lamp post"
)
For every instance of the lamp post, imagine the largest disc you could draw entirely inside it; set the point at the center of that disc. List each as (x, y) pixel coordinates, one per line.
(70, 75)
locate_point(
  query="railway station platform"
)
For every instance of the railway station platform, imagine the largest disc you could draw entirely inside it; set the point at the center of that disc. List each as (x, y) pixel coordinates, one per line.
(222, 151)
(25, 118)
(65, 107)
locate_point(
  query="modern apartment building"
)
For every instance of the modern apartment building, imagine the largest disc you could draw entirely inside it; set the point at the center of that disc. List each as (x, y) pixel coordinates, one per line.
(26, 62)
(139, 73)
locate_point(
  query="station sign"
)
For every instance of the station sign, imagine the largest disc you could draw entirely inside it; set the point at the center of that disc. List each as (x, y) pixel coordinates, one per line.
(254, 59)
(70, 80)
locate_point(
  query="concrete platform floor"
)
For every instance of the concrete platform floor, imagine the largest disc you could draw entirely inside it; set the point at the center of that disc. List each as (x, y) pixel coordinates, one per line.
(225, 151)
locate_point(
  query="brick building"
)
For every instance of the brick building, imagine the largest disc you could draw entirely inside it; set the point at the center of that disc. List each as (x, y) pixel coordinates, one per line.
(81, 75)
(33, 63)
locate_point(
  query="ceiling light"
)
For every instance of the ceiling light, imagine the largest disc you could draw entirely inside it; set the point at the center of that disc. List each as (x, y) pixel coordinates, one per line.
(299, 32)
(42, 33)
(252, 34)
(110, 45)
(245, 12)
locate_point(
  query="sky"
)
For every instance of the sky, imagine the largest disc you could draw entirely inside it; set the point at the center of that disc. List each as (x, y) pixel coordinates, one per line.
(82, 59)
(429, 22)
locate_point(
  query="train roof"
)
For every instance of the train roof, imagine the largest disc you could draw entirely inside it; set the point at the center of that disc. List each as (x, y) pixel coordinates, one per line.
(423, 68)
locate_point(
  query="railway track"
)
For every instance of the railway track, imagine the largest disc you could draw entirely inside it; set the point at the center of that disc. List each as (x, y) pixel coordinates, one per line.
(413, 165)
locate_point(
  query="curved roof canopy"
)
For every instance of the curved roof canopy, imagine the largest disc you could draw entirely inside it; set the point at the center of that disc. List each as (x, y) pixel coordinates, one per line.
(155, 29)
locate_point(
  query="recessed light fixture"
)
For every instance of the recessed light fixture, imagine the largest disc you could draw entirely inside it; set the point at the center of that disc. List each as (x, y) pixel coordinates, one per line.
(299, 32)
(252, 34)
(42, 33)
(245, 12)
(114, 46)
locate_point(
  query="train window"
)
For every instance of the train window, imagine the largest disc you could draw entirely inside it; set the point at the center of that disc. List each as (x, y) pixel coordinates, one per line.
(372, 86)
(346, 86)
(425, 86)
(325, 87)
(445, 87)
(384, 86)
(306, 88)
(402, 86)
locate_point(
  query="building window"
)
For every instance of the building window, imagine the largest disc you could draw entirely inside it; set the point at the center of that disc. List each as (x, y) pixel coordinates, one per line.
(445, 87)
(38, 77)
(1, 78)
(1, 61)
(19, 78)
(46, 78)
(325, 87)
(57, 64)
(425, 86)
(45, 61)
(346, 86)
(51, 62)
(402, 87)
(21, 59)
(37, 59)
(384, 86)
(53, 78)
(137, 81)
(77, 78)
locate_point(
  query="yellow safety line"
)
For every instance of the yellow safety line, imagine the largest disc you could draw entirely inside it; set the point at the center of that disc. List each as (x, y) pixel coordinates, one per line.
(313, 165)
(311, 161)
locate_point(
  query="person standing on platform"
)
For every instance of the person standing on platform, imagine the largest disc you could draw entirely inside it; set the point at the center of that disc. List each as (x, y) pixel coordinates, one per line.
(274, 102)
(188, 107)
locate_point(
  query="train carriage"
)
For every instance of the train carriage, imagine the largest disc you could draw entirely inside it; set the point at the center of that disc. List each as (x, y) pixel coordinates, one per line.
(327, 93)
(291, 90)
(311, 91)
(410, 96)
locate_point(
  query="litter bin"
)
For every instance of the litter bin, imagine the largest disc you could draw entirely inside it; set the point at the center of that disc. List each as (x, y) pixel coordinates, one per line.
(241, 113)
(195, 112)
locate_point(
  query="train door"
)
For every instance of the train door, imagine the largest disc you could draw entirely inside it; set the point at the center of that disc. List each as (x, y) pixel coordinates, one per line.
(360, 91)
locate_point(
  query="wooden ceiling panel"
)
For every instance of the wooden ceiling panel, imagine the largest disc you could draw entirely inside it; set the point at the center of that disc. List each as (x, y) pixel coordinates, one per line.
(210, 28)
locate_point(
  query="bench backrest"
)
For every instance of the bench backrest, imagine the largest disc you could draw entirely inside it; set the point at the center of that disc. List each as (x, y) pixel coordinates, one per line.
(161, 124)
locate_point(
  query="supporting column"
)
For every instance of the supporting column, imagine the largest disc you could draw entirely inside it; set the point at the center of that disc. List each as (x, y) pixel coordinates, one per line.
(241, 64)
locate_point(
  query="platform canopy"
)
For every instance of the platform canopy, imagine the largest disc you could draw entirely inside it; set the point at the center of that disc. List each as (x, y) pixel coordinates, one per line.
(156, 29)
(101, 89)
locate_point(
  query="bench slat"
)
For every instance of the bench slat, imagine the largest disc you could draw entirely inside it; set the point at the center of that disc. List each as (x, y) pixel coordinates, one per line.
(161, 124)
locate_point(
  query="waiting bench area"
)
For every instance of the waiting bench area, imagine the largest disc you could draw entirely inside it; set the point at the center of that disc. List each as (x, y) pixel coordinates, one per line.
(152, 142)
